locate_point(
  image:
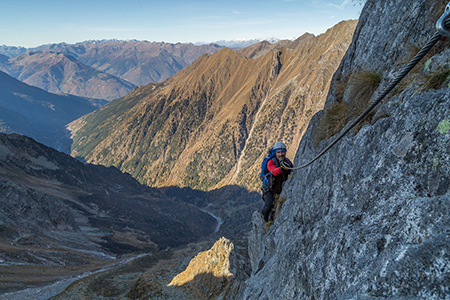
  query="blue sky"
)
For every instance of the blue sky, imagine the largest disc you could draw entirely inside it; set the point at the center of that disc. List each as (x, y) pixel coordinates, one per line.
(31, 23)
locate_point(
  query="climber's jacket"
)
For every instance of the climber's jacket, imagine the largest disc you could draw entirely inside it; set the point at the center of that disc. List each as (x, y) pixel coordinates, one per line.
(279, 175)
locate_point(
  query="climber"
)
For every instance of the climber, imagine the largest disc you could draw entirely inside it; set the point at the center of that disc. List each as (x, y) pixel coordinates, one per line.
(273, 175)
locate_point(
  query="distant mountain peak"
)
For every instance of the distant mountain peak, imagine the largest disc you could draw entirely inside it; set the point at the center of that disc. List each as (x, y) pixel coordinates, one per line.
(242, 42)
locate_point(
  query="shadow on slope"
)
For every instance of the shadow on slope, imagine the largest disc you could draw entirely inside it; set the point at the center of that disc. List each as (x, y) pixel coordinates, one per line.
(232, 206)
(60, 217)
(41, 115)
(56, 211)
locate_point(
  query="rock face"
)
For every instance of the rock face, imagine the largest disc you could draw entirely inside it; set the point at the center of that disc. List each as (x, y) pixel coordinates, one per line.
(370, 219)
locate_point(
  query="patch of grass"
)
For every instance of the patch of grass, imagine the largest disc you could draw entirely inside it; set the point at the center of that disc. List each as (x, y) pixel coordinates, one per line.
(411, 51)
(279, 203)
(433, 80)
(402, 85)
(362, 87)
(363, 84)
(340, 87)
(334, 120)
(268, 225)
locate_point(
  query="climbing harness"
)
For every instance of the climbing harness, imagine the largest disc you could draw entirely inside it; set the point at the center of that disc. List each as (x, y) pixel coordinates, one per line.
(443, 30)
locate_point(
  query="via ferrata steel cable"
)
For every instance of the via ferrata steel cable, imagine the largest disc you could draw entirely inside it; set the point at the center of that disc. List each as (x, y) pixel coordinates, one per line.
(443, 27)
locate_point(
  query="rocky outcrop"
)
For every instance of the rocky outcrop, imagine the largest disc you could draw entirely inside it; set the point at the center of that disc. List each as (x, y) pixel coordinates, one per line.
(217, 273)
(370, 219)
(208, 271)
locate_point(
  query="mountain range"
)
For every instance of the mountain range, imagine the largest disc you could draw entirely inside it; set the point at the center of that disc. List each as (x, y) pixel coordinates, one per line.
(256, 50)
(206, 126)
(241, 42)
(59, 70)
(59, 73)
(113, 65)
(137, 62)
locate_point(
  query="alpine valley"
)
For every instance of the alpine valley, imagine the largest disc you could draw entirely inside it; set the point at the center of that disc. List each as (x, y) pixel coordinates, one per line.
(39, 114)
(160, 196)
(187, 148)
(80, 78)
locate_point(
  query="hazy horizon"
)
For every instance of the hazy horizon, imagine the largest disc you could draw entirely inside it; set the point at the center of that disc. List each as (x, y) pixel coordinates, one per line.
(27, 23)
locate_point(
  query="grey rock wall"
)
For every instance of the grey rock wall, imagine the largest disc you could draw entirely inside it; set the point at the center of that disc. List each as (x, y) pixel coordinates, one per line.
(387, 34)
(371, 218)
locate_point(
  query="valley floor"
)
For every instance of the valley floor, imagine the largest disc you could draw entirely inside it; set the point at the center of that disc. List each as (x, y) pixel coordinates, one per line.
(132, 277)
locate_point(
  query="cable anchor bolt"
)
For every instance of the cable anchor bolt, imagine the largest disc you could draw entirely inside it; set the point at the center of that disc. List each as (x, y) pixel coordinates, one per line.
(440, 25)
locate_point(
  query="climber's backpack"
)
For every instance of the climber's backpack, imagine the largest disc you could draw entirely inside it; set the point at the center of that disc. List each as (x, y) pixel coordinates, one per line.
(265, 175)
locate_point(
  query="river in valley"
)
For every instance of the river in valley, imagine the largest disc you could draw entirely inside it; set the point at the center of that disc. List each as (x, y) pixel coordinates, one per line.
(48, 291)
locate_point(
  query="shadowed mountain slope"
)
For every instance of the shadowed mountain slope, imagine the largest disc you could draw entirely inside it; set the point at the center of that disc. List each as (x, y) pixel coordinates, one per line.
(49, 198)
(36, 113)
(211, 124)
